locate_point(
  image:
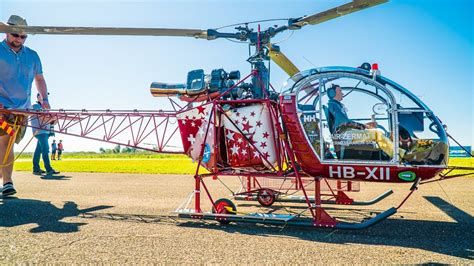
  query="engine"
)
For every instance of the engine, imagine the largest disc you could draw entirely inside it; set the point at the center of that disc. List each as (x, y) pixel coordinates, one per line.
(218, 81)
(200, 84)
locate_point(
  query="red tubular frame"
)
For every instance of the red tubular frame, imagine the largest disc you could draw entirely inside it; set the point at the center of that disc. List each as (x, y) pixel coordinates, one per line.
(282, 145)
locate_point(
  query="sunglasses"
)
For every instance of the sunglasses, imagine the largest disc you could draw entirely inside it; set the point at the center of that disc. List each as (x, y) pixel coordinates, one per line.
(16, 35)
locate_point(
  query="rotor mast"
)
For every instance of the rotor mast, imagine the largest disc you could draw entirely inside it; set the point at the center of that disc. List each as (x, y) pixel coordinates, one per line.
(261, 41)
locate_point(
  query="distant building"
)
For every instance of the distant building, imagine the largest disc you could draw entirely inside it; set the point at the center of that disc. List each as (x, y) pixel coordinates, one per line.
(456, 151)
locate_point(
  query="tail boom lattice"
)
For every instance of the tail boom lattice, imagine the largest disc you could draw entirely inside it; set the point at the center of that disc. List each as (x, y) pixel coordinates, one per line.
(147, 130)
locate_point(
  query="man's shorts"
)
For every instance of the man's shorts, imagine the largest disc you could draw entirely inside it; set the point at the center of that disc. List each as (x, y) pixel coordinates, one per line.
(20, 120)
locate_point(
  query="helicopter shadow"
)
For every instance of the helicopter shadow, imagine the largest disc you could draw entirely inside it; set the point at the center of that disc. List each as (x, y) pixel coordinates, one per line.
(449, 238)
(15, 212)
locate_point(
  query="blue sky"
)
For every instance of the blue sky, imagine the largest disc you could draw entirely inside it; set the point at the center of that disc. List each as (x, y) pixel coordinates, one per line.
(426, 46)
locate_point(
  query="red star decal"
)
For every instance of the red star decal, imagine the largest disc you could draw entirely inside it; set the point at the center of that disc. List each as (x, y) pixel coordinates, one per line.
(263, 144)
(259, 123)
(237, 114)
(201, 109)
(247, 126)
(236, 121)
(252, 114)
(265, 155)
(244, 118)
(265, 135)
(251, 139)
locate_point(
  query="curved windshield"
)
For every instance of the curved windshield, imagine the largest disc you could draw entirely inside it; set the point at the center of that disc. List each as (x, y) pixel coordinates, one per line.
(423, 138)
(352, 117)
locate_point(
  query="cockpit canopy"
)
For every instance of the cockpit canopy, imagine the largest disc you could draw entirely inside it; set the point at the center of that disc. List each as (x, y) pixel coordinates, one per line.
(350, 115)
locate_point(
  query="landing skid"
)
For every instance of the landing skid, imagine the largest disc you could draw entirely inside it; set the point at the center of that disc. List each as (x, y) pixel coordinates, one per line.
(281, 219)
(301, 199)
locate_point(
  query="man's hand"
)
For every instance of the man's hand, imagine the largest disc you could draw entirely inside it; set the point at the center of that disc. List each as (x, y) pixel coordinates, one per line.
(371, 125)
(41, 86)
(45, 105)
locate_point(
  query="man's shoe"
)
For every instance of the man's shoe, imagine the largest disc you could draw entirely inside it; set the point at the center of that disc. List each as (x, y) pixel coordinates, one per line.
(52, 172)
(8, 189)
(39, 172)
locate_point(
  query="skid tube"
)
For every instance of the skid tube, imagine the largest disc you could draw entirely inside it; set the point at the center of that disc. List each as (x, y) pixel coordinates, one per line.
(284, 220)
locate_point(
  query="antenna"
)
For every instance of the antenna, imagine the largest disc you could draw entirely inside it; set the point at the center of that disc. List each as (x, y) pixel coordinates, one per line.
(309, 61)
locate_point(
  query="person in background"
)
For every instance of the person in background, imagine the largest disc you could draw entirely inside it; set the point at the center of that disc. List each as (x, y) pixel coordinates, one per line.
(42, 145)
(19, 66)
(60, 149)
(54, 148)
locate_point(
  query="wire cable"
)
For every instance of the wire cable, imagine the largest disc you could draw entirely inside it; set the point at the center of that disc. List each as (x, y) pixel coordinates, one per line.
(253, 22)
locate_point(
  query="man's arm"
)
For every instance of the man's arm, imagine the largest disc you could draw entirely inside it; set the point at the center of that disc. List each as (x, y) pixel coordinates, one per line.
(42, 89)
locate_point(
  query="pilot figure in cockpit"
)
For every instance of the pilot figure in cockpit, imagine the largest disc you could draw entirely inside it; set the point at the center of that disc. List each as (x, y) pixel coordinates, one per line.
(347, 131)
(339, 111)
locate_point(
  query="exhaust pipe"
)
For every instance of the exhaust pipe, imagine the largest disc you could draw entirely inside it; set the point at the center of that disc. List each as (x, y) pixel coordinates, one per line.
(160, 89)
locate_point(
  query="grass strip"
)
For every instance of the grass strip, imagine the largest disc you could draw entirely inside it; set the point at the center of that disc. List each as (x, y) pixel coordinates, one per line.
(141, 166)
(174, 164)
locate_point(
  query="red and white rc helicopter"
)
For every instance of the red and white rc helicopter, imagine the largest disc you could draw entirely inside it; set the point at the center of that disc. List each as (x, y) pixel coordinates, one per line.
(282, 146)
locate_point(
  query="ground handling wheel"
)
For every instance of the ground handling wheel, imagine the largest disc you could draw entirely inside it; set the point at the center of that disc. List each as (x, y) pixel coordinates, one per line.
(266, 197)
(224, 206)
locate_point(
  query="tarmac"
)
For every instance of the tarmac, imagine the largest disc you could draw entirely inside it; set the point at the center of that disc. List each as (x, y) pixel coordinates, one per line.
(128, 218)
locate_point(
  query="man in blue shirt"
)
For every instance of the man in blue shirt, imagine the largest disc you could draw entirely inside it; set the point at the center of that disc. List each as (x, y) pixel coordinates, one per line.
(339, 111)
(19, 66)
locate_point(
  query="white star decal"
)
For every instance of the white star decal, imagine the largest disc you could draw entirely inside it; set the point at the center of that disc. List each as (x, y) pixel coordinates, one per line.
(256, 154)
(201, 132)
(244, 152)
(230, 135)
(191, 139)
(235, 150)
(239, 140)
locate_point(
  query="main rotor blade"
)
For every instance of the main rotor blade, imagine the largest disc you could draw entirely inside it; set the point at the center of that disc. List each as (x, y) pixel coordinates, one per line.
(282, 61)
(202, 34)
(355, 5)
